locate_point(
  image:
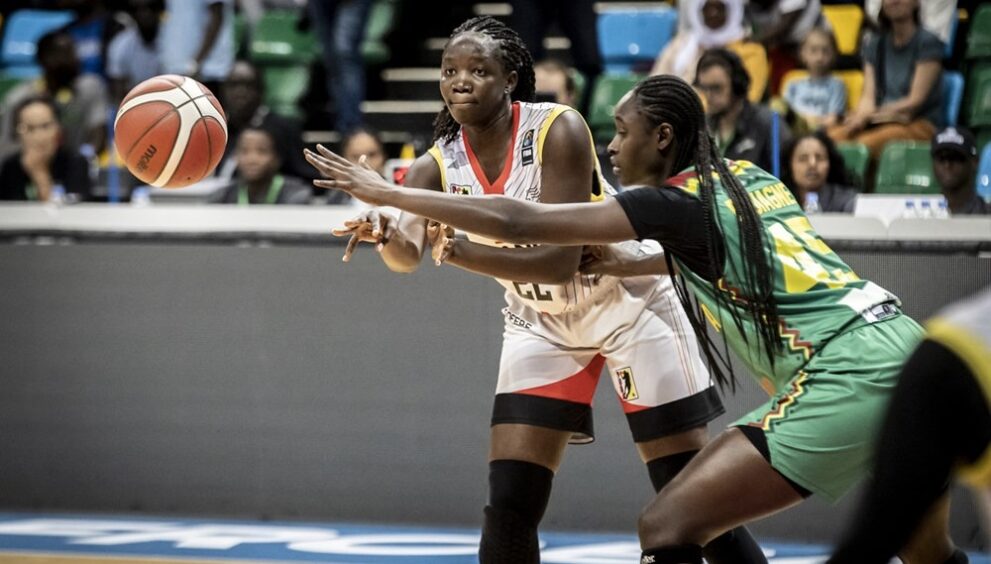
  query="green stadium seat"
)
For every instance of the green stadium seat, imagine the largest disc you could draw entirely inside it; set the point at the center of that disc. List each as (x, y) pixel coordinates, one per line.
(979, 104)
(581, 83)
(275, 39)
(381, 21)
(606, 93)
(906, 168)
(284, 86)
(979, 37)
(856, 156)
(983, 136)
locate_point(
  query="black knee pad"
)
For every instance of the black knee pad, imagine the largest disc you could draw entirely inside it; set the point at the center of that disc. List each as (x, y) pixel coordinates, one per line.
(662, 470)
(518, 495)
(521, 487)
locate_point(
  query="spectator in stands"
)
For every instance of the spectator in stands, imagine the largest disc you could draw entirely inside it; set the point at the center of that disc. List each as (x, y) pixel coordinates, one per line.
(935, 15)
(92, 30)
(554, 83)
(902, 95)
(134, 53)
(43, 164)
(812, 165)
(198, 40)
(820, 99)
(364, 142)
(358, 143)
(711, 24)
(743, 131)
(576, 18)
(955, 157)
(257, 179)
(340, 27)
(81, 98)
(781, 25)
(243, 95)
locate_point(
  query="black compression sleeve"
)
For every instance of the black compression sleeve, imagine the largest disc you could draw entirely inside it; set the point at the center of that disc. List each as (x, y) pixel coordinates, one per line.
(938, 415)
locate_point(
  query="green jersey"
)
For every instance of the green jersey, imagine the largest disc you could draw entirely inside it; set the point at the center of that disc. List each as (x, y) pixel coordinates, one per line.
(818, 296)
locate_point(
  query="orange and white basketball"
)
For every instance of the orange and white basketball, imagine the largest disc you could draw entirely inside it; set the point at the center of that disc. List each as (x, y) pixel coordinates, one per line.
(170, 131)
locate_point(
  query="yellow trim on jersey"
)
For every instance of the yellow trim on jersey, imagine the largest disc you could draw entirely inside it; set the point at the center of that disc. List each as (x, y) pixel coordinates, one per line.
(542, 135)
(546, 127)
(976, 355)
(439, 159)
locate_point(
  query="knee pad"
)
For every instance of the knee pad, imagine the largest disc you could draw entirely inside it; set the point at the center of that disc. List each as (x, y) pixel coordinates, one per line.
(662, 470)
(521, 487)
(518, 495)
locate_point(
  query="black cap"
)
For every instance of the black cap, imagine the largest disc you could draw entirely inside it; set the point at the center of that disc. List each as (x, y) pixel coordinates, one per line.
(956, 139)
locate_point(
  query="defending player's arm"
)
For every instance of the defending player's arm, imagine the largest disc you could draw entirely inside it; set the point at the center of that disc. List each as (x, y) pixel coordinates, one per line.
(566, 176)
(496, 217)
(622, 262)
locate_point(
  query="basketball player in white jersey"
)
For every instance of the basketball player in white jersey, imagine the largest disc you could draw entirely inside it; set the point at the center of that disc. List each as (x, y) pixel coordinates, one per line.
(560, 327)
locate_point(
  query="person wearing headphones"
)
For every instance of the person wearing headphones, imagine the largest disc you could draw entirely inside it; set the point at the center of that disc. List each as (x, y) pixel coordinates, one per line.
(742, 130)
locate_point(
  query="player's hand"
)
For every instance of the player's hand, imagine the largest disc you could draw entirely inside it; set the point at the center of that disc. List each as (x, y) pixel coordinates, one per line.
(441, 239)
(359, 180)
(611, 260)
(370, 226)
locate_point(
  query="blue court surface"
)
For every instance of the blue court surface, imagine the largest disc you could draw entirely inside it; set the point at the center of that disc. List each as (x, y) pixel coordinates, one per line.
(85, 539)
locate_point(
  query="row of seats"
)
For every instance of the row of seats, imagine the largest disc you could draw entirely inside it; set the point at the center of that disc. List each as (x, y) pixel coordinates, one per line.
(632, 38)
(906, 168)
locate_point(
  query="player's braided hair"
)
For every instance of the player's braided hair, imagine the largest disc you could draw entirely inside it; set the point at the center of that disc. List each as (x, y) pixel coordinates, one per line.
(513, 55)
(668, 99)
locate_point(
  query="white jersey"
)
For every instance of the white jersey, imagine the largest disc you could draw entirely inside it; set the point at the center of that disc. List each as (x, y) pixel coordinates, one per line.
(521, 178)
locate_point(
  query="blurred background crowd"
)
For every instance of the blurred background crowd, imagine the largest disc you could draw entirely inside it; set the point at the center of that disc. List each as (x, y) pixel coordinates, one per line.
(838, 99)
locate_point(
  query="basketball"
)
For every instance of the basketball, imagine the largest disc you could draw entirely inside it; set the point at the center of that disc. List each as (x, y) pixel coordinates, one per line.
(170, 131)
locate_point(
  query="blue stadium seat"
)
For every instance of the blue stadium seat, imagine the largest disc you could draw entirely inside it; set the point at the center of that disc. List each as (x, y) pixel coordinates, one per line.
(20, 39)
(635, 36)
(952, 96)
(984, 174)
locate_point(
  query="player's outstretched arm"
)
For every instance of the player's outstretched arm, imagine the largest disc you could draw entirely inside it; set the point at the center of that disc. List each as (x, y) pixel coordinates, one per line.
(496, 217)
(622, 262)
(399, 241)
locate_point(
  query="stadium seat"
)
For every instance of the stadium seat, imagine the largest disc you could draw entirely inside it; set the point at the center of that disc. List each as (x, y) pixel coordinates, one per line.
(381, 20)
(853, 79)
(580, 83)
(952, 96)
(984, 173)
(275, 39)
(20, 39)
(979, 106)
(284, 86)
(845, 19)
(634, 36)
(906, 168)
(606, 93)
(855, 157)
(979, 37)
(983, 136)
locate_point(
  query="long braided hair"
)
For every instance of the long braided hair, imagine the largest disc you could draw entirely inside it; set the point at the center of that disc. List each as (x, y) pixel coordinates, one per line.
(513, 55)
(669, 99)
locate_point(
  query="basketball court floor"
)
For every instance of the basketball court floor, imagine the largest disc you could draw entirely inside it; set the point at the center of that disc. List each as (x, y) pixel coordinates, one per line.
(34, 538)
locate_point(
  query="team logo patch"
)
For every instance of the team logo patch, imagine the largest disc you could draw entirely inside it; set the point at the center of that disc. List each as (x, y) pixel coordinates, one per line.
(461, 189)
(526, 148)
(627, 387)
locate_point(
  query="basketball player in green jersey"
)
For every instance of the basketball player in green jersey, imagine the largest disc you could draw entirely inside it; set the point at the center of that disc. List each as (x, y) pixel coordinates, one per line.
(826, 344)
(938, 426)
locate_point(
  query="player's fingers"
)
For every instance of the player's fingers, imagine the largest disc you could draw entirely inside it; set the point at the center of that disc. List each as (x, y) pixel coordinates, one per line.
(387, 234)
(333, 185)
(352, 245)
(344, 231)
(332, 156)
